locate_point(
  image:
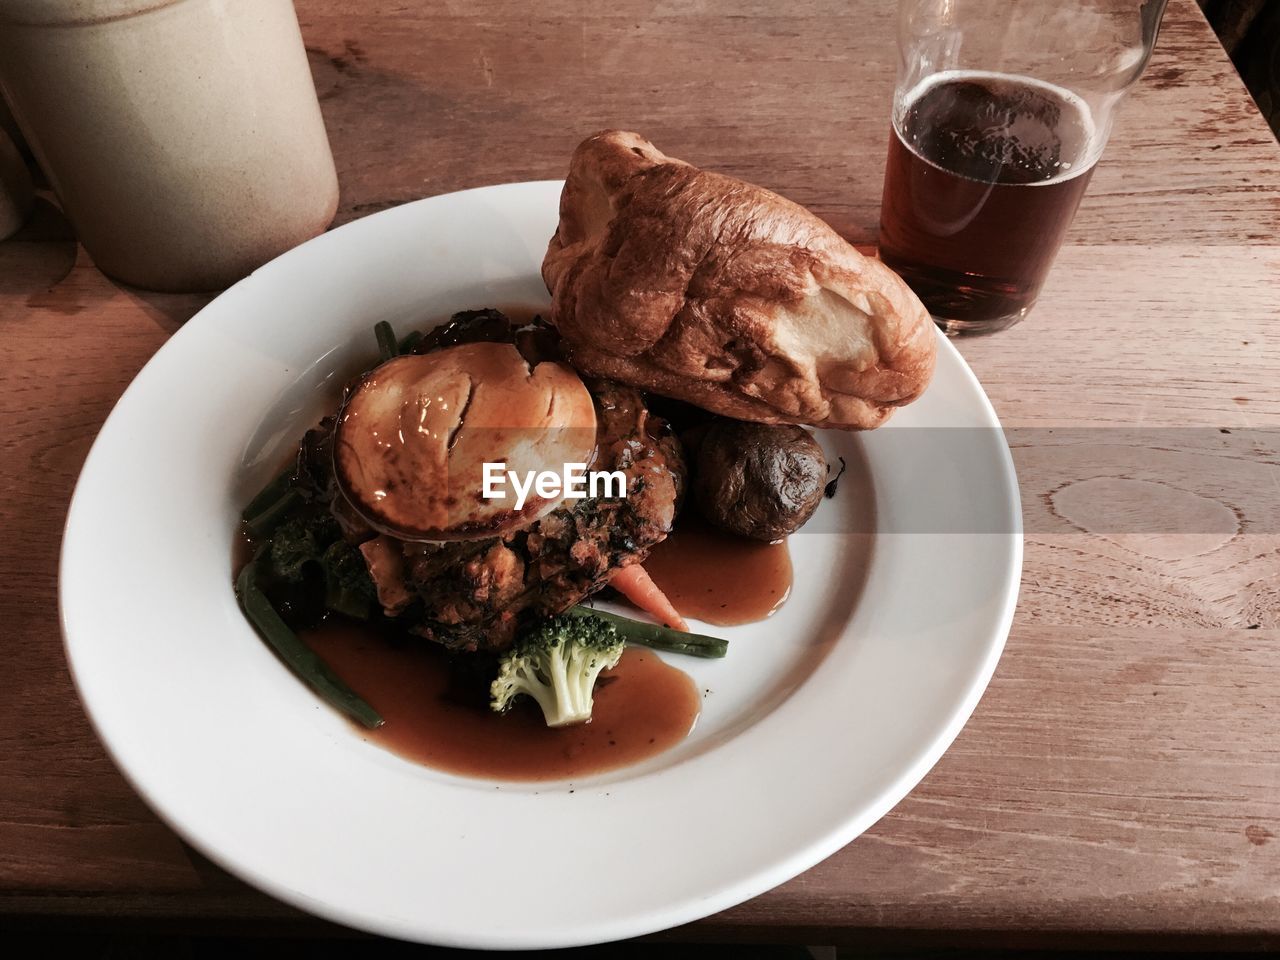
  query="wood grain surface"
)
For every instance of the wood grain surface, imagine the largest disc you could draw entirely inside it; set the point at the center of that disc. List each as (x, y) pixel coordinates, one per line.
(1120, 781)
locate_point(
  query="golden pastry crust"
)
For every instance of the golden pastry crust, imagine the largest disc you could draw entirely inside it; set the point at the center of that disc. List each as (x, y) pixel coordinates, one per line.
(699, 286)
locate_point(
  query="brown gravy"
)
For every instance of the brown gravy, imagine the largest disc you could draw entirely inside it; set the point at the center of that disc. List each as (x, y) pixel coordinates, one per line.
(243, 548)
(642, 707)
(718, 577)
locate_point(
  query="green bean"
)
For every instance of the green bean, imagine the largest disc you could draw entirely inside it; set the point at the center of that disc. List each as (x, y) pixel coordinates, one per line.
(410, 341)
(300, 658)
(388, 346)
(269, 494)
(262, 523)
(659, 637)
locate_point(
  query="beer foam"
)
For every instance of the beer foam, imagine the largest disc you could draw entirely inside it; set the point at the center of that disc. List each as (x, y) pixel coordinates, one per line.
(1088, 156)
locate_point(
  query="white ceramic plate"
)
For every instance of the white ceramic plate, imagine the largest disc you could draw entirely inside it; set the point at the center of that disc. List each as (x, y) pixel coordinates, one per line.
(817, 723)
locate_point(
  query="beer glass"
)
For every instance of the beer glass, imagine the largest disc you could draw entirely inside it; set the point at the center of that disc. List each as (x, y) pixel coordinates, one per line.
(1000, 112)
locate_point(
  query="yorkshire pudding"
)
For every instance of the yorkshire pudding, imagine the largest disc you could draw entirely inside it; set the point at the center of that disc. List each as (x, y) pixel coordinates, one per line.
(698, 286)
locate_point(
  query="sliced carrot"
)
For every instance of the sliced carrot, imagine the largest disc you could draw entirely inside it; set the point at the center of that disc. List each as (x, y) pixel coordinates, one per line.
(636, 585)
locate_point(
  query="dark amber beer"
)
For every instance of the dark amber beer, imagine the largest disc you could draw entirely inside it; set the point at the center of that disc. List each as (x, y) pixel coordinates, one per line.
(985, 172)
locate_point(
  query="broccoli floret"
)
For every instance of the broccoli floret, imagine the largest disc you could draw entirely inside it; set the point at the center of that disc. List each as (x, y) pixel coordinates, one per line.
(306, 540)
(293, 546)
(557, 663)
(348, 588)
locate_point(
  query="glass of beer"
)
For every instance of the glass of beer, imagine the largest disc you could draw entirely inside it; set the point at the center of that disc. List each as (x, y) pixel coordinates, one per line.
(1000, 112)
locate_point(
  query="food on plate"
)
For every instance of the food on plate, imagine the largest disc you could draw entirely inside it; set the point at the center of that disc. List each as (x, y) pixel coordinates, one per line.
(698, 286)
(482, 481)
(380, 518)
(557, 663)
(437, 711)
(412, 438)
(721, 578)
(638, 587)
(758, 480)
(294, 652)
(472, 592)
(659, 637)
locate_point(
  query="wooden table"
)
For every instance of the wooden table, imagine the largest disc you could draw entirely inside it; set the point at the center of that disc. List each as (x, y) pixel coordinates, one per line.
(1120, 781)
